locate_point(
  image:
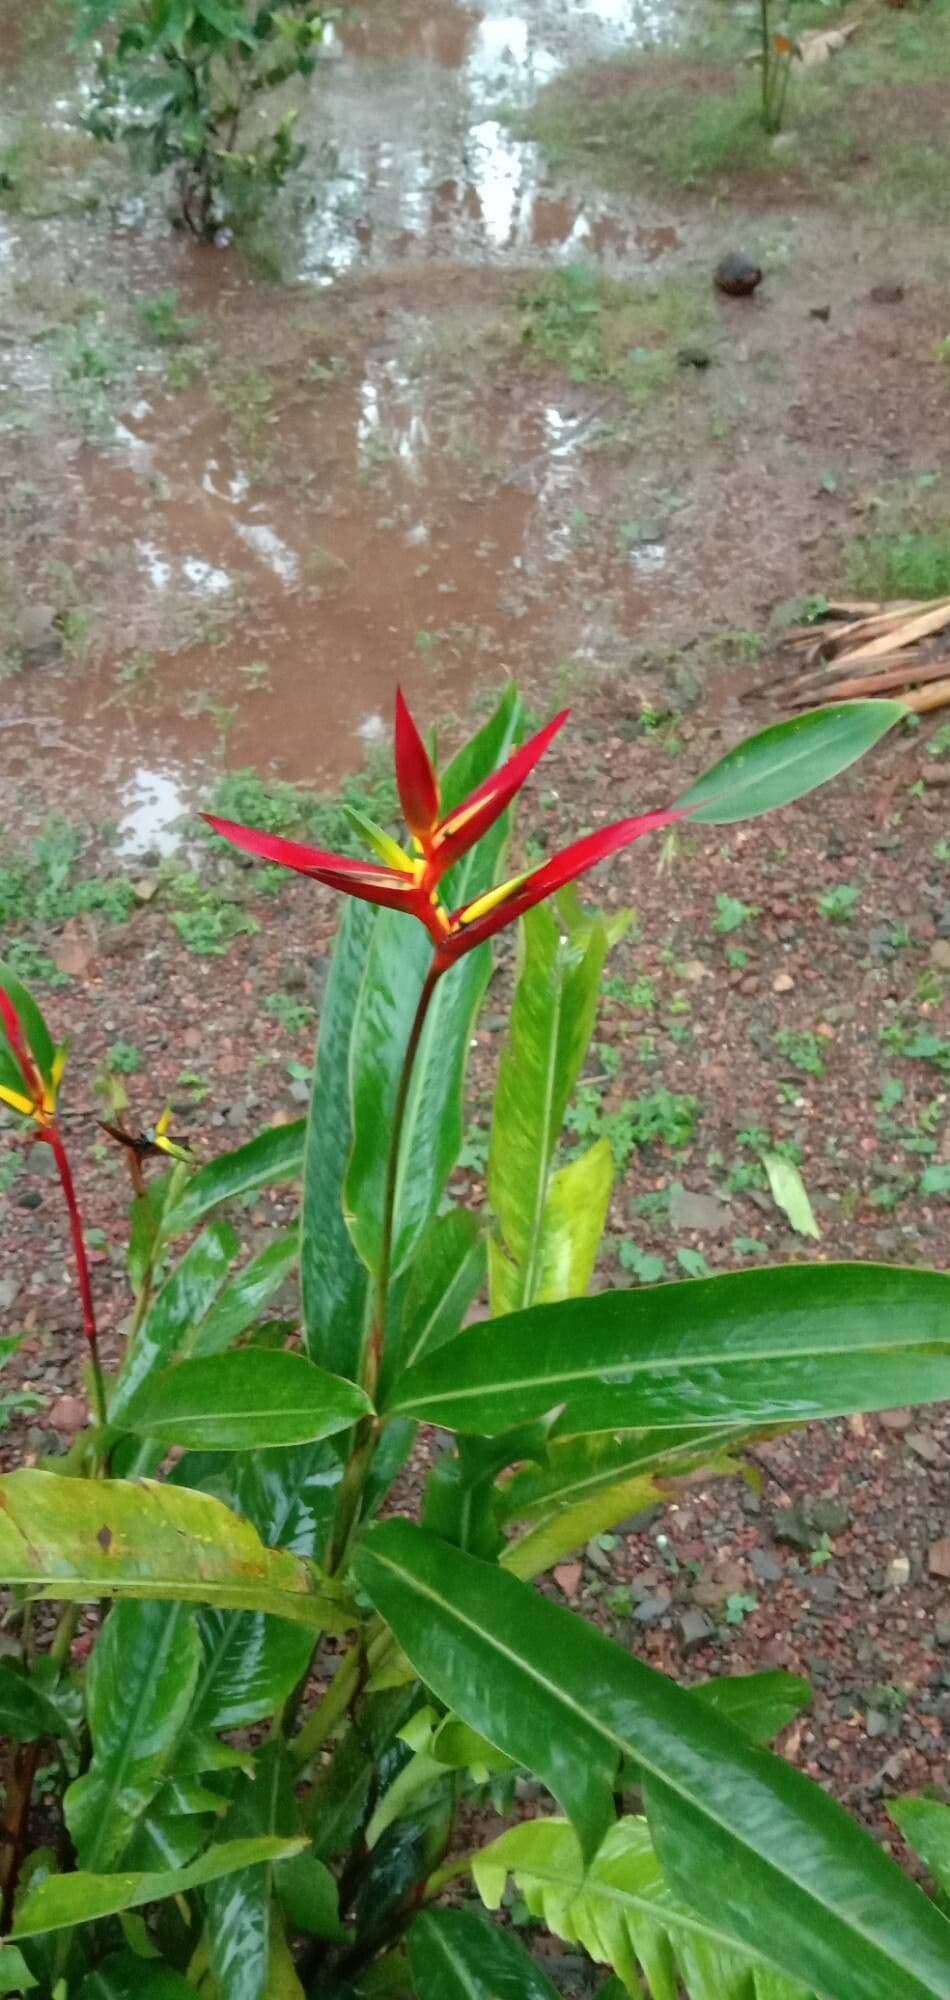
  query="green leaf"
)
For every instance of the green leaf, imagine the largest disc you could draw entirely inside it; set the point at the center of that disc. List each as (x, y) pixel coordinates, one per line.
(171, 1327)
(37, 1035)
(309, 1896)
(238, 1907)
(85, 1539)
(26, 1713)
(577, 1469)
(15, 1974)
(622, 1912)
(552, 1019)
(236, 1402)
(399, 957)
(242, 1301)
(445, 1276)
(63, 1900)
(789, 1194)
(925, 1825)
(789, 759)
(334, 1282)
(753, 1347)
(760, 1704)
(139, 1689)
(456, 1955)
(743, 1838)
(252, 1662)
(568, 1237)
(125, 1976)
(274, 1156)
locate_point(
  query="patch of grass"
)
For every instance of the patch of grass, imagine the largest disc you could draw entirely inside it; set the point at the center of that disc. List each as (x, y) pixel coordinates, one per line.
(601, 330)
(124, 1058)
(910, 563)
(279, 807)
(660, 1118)
(207, 923)
(731, 912)
(42, 886)
(801, 1048)
(163, 322)
(293, 1015)
(855, 127)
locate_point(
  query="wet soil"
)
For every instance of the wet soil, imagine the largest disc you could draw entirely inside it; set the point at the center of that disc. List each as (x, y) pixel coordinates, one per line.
(220, 550)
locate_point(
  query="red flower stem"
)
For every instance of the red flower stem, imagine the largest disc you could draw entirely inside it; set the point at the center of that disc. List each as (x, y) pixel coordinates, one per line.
(54, 1138)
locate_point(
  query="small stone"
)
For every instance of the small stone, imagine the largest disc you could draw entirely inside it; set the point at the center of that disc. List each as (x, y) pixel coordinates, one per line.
(940, 954)
(924, 1445)
(652, 1609)
(788, 1525)
(875, 1722)
(145, 888)
(783, 983)
(819, 312)
(888, 292)
(942, 1632)
(40, 635)
(9, 1288)
(829, 1516)
(938, 1557)
(764, 1567)
(824, 1589)
(68, 1413)
(897, 1573)
(897, 1420)
(701, 1212)
(694, 1629)
(568, 1577)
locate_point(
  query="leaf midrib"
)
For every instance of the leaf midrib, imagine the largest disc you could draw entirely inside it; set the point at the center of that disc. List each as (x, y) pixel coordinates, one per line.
(619, 1743)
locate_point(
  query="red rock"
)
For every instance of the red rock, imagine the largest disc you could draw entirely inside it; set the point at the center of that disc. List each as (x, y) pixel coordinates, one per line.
(938, 1557)
(568, 1577)
(68, 1413)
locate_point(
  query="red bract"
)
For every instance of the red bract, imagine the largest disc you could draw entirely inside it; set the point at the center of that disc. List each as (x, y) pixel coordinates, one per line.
(412, 883)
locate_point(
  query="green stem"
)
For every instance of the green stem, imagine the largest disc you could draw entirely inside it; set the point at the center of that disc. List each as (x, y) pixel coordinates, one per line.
(364, 1657)
(440, 1877)
(367, 1432)
(372, 1359)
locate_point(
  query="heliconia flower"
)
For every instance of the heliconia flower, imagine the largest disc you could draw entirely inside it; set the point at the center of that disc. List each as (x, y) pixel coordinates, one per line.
(145, 1145)
(29, 1078)
(410, 882)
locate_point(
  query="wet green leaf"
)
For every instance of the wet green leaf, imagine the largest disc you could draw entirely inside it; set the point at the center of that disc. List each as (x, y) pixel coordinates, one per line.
(63, 1900)
(256, 1397)
(334, 1282)
(274, 1156)
(784, 762)
(456, 1955)
(139, 1689)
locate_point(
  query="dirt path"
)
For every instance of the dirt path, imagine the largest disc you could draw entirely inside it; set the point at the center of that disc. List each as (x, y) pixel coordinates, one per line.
(235, 508)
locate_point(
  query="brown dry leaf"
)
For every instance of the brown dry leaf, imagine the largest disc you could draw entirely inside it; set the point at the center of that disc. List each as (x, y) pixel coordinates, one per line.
(75, 952)
(817, 45)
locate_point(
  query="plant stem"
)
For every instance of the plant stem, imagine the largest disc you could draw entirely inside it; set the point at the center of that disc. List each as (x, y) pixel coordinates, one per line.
(364, 1656)
(367, 1432)
(372, 1359)
(55, 1139)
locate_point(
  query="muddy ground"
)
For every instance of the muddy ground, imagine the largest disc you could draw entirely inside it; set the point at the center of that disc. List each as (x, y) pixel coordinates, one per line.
(239, 501)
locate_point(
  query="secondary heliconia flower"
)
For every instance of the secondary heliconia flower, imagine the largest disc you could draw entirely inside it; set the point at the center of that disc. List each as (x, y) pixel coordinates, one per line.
(410, 882)
(28, 1083)
(146, 1145)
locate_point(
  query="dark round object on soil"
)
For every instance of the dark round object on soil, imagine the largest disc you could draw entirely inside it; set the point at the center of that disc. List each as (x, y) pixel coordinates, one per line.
(737, 274)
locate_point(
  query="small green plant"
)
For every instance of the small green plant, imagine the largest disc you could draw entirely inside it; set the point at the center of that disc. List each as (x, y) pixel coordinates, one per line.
(731, 913)
(207, 923)
(163, 320)
(839, 904)
(602, 330)
(124, 1058)
(738, 1606)
(801, 1048)
(776, 50)
(293, 1015)
(181, 83)
(939, 745)
(647, 1269)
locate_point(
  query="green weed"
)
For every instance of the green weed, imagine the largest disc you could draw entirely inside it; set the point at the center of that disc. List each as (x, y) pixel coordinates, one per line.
(801, 1048)
(904, 564)
(124, 1058)
(293, 1015)
(601, 330)
(660, 1118)
(207, 923)
(731, 912)
(838, 904)
(279, 807)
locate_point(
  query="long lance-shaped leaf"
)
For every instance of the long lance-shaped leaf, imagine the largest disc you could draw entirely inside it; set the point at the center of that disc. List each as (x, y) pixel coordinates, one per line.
(83, 1540)
(64, 1900)
(587, 1484)
(793, 1877)
(334, 1282)
(552, 1019)
(172, 1326)
(622, 1912)
(455, 1955)
(788, 760)
(274, 1156)
(752, 1347)
(138, 1693)
(399, 957)
(236, 1402)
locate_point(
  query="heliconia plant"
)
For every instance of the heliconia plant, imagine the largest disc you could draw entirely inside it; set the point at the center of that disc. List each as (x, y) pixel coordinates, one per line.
(290, 1702)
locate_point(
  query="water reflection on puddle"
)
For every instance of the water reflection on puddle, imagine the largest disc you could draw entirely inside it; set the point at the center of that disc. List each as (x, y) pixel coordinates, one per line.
(412, 110)
(152, 803)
